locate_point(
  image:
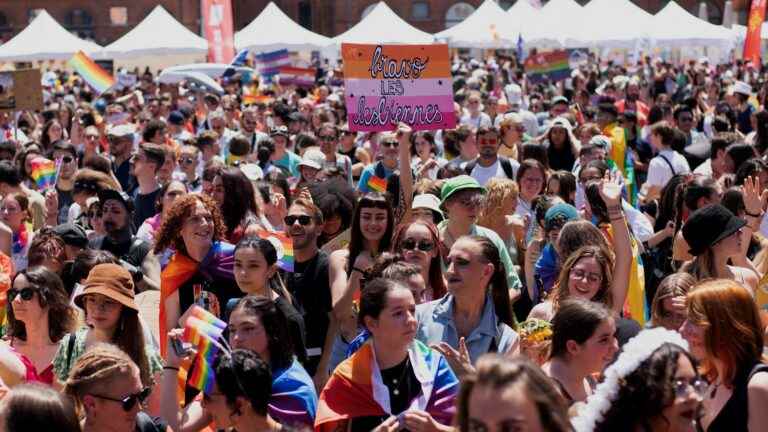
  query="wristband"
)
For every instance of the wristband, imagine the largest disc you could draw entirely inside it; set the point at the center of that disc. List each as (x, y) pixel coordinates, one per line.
(174, 368)
(753, 214)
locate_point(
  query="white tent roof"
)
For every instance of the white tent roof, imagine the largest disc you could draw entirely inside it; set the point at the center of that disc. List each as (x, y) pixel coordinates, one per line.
(486, 27)
(675, 25)
(559, 22)
(157, 34)
(522, 17)
(45, 39)
(273, 30)
(383, 25)
(604, 29)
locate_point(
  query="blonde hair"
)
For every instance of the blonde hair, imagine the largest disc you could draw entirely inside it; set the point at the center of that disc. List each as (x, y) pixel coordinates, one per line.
(96, 369)
(674, 285)
(497, 192)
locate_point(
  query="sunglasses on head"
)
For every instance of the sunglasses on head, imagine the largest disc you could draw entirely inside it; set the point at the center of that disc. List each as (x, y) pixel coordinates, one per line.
(422, 245)
(129, 401)
(25, 293)
(303, 220)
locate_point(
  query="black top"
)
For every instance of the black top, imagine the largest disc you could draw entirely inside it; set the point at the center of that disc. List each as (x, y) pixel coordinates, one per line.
(734, 415)
(65, 201)
(403, 388)
(145, 206)
(560, 159)
(309, 285)
(123, 174)
(210, 294)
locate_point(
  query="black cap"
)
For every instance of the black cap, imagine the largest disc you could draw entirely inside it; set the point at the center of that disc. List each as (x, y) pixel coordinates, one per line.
(122, 197)
(297, 116)
(176, 118)
(708, 225)
(73, 235)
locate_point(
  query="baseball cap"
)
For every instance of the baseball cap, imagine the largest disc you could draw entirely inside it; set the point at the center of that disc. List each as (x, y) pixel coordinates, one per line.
(121, 197)
(72, 234)
(458, 183)
(313, 158)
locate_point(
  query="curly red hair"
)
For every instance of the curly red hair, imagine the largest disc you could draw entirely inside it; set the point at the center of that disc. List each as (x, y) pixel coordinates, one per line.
(169, 234)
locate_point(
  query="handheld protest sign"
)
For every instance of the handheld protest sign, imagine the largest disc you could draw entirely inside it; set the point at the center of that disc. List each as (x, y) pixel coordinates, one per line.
(389, 84)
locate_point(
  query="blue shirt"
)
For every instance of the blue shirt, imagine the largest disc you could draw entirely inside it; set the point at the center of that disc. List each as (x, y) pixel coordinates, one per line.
(368, 172)
(436, 325)
(289, 161)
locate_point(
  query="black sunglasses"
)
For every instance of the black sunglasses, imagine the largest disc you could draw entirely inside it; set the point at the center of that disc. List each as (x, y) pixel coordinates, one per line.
(129, 401)
(422, 245)
(67, 159)
(327, 138)
(25, 293)
(188, 160)
(389, 144)
(303, 220)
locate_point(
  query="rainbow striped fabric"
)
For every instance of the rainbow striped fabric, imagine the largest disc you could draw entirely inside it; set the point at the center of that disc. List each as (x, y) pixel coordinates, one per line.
(356, 388)
(43, 172)
(92, 73)
(548, 66)
(377, 184)
(202, 329)
(283, 245)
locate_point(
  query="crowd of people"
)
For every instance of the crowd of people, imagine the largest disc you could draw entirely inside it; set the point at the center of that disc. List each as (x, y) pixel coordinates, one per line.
(582, 255)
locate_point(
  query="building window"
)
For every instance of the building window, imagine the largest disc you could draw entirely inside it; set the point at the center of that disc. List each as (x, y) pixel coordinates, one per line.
(118, 15)
(420, 10)
(80, 22)
(3, 21)
(457, 13)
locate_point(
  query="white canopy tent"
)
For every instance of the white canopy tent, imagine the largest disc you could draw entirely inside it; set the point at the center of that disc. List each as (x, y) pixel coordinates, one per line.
(559, 23)
(487, 27)
(45, 39)
(674, 26)
(273, 30)
(157, 34)
(521, 17)
(383, 25)
(615, 24)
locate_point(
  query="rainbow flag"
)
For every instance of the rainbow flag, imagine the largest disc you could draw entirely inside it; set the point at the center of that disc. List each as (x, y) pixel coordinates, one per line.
(203, 335)
(43, 173)
(207, 317)
(377, 184)
(284, 246)
(548, 66)
(202, 377)
(92, 73)
(355, 388)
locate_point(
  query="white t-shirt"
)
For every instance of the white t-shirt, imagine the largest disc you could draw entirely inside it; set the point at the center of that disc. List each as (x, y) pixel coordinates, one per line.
(483, 174)
(482, 120)
(705, 168)
(659, 172)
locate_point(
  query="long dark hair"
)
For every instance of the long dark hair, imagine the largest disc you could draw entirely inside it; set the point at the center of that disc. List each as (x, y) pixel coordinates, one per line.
(51, 294)
(239, 199)
(576, 320)
(436, 281)
(645, 392)
(356, 242)
(498, 283)
(279, 343)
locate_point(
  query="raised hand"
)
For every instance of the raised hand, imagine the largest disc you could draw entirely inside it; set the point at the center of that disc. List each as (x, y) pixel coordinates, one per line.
(610, 189)
(753, 201)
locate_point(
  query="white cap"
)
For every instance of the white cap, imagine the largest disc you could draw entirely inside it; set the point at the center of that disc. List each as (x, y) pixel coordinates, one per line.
(741, 87)
(252, 171)
(514, 94)
(122, 130)
(427, 201)
(313, 158)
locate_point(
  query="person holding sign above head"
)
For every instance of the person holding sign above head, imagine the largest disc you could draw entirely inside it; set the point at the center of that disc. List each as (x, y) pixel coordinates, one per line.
(374, 176)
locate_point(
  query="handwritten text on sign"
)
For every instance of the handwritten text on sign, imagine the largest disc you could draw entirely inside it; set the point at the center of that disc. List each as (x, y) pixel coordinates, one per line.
(388, 84)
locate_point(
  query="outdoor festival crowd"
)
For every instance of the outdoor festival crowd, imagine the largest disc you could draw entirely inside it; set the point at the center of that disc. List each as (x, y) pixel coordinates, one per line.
(586, 255)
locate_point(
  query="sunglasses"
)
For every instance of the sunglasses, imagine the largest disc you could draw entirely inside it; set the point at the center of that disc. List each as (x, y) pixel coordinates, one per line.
(25, 293)
(389, 144)
(303, 220)
(92, 137)
(67, 159)
(422, 245)
(488, 141)
(186, 161)
(327, 138)
(129, 401)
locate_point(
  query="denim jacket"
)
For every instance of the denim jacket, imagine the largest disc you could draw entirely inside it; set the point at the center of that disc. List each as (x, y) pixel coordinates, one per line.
(436, 325)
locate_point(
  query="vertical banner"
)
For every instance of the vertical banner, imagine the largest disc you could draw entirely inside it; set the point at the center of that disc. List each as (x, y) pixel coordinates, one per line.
(754, 26)
(217, 27)
(389, 84)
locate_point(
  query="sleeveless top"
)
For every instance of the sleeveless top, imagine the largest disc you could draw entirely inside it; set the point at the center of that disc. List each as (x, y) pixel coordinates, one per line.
(734, 415)
(45, 377)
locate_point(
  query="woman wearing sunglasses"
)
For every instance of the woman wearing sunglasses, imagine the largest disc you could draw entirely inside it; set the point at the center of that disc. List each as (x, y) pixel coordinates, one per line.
(418, 241)
(109, 395)
(39, 315)
(113, 317)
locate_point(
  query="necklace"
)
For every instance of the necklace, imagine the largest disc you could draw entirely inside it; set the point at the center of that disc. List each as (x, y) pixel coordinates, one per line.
(401, 377)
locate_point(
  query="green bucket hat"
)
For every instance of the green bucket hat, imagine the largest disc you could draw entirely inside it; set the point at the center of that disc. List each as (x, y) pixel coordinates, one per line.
(458, 183)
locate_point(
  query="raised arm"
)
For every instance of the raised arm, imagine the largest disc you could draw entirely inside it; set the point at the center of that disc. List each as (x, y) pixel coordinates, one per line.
(406, 175)
(610, 191)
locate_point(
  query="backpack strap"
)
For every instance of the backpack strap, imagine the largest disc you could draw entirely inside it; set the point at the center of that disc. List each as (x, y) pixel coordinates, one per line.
(470, 166)
(70, 350)
(506, 165)
(494, 346)
(669, 164)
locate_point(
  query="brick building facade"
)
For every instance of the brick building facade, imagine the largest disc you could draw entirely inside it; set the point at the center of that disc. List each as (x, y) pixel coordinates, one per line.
(104, 21)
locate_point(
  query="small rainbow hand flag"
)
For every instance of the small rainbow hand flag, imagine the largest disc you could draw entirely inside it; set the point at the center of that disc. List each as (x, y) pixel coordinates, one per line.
(377, 184)
(203, 330)
(207, 317)
(92, 73)
(283, 245)
(43, 173)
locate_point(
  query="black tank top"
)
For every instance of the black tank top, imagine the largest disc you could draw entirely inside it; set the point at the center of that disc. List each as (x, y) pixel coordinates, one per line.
(350, 154)
(734, 415)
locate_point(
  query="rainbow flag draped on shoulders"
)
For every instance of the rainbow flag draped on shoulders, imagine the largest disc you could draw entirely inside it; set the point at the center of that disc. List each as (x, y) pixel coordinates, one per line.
(356, 388)
(219, 263)
(294, 399)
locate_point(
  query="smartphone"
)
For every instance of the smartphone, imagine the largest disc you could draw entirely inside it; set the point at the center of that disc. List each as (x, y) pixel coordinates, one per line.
(180, 348)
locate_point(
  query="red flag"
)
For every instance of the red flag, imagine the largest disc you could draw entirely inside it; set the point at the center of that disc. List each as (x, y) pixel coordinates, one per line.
(217, 26)
(754, 25)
